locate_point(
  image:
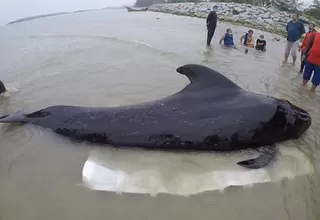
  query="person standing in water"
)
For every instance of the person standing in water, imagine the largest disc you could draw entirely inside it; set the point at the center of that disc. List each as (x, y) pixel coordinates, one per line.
(211, 25)
(309, 35)
(2, 87)
(248, 39)
(312, 63)
(295, 29)
(261, 44)
(227, 38)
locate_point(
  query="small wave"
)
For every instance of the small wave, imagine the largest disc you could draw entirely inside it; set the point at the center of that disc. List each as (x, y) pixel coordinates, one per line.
(10, 90)
(140, 44)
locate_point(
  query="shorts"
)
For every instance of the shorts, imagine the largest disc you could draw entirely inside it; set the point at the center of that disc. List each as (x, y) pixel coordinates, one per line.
(308, 72)
(293, 46)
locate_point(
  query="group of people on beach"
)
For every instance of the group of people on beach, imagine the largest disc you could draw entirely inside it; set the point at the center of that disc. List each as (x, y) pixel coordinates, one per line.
(247, 39)
(309, 48)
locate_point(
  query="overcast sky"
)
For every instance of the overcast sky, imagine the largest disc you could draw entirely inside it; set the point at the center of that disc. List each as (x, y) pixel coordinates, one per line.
(14, 9)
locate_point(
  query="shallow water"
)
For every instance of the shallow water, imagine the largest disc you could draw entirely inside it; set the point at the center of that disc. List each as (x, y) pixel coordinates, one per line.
(111, 57)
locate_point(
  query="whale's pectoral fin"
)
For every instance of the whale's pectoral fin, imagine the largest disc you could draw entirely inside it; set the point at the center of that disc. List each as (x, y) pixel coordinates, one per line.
(204, 77)
(267, 154)
(23, 118)
(13, 118)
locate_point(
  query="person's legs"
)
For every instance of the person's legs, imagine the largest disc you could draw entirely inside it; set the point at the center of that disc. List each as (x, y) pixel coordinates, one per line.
(210, 34)
(315, 78)
(302, 63)
(287, 51)
(294, 49)
(307, 73)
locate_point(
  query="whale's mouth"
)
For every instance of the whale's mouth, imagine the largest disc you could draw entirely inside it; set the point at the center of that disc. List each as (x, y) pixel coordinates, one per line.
(302, 124)
(303, 119)
(291, 119)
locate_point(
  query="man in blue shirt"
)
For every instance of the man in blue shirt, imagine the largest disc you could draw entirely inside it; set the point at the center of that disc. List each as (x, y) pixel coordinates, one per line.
(295, 29)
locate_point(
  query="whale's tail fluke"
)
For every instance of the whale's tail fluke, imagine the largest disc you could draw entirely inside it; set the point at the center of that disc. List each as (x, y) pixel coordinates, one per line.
(14, 118)
(267, 155)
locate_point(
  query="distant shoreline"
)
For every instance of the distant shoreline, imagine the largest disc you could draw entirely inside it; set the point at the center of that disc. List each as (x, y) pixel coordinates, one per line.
(36, 17)
(196, 10)
(57, 14)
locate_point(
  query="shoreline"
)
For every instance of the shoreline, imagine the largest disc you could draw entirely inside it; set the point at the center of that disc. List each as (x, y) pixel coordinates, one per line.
(281, 33)
(265, 19)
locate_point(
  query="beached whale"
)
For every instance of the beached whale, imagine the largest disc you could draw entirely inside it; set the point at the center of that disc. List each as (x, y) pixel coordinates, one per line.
(210, 114)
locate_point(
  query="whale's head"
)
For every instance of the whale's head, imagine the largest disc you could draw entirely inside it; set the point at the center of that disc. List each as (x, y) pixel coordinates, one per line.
(2, 87)
(290, 121)
(287, 122)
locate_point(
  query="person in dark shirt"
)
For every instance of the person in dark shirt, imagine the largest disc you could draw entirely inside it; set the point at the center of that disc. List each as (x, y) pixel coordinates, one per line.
(261, 44)
(211, 25)
(2, 87)
(295, 29)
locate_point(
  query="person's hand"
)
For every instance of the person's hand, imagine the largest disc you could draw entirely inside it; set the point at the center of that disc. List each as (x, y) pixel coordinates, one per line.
(299, 49)
(303, 57)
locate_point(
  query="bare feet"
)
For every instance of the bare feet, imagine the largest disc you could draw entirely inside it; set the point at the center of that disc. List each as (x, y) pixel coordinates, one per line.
(294, 58)
(304, 83)
(285, 58)
(313, 88)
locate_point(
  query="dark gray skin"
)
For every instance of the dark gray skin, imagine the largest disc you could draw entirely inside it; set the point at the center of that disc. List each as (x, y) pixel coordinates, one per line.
(2, 88)
(210, 114)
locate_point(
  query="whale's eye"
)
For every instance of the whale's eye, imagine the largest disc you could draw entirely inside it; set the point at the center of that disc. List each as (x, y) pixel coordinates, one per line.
(280, 119)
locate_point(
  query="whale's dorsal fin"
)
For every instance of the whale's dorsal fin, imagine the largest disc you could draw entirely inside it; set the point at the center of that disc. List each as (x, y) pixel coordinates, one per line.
(204, 77)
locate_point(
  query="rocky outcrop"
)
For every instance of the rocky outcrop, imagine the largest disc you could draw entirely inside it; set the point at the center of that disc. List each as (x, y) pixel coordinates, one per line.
(266, 19)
